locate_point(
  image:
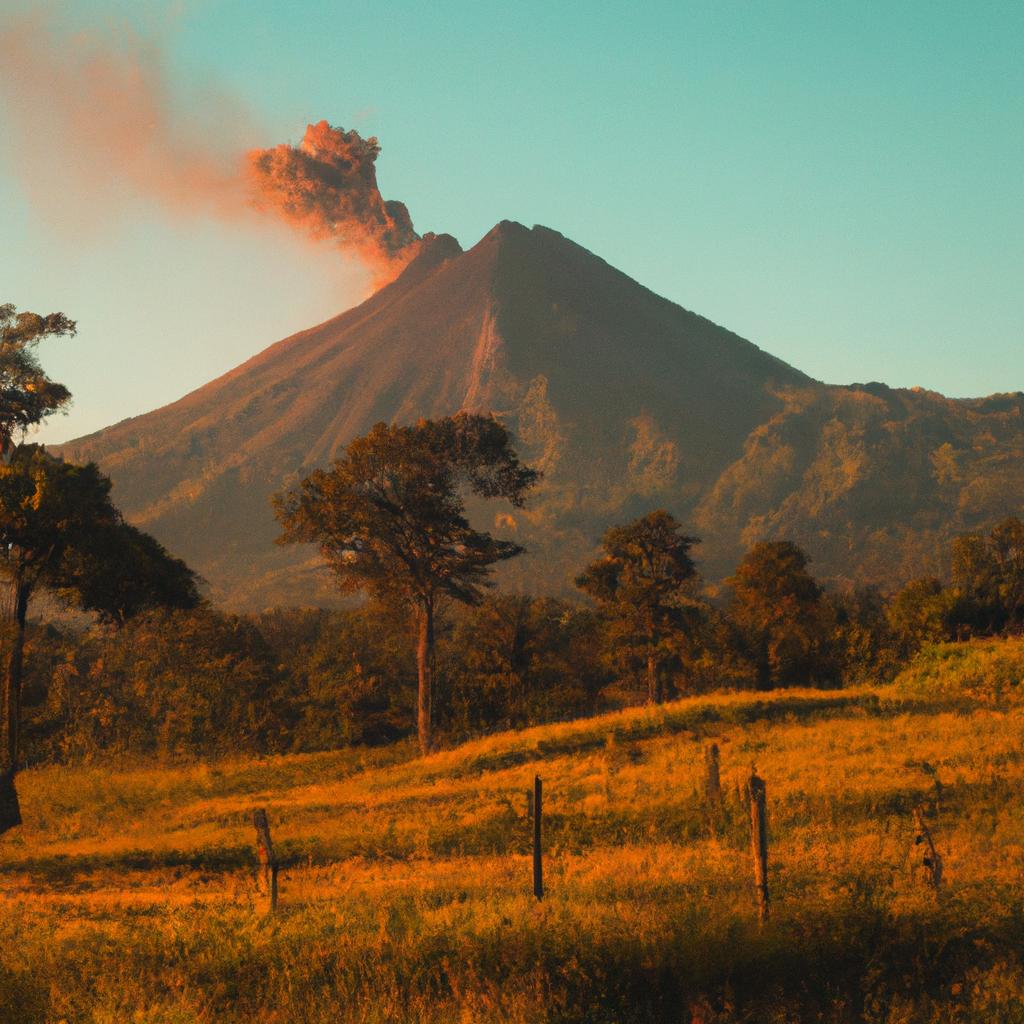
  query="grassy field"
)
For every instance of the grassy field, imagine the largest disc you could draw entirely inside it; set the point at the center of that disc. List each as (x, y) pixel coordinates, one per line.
(129, 895)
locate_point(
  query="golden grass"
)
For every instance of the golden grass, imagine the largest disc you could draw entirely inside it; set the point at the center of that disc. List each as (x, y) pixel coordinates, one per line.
(129, 896)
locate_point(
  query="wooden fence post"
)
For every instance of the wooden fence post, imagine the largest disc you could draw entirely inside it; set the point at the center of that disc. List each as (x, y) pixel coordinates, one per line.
(932, 858)
(267, 858)
(538, 864)
(759, 841)
(712, 777)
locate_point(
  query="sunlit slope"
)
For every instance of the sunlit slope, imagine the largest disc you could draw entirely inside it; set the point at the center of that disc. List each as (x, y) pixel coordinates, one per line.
(619, 395)
(405, 894)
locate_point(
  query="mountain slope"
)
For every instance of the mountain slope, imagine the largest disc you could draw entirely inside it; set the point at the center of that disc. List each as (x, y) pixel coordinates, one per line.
(872, 480)
(599, 378)
(624, 399)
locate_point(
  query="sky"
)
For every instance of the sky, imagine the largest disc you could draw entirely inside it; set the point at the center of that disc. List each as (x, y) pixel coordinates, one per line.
(841, 183)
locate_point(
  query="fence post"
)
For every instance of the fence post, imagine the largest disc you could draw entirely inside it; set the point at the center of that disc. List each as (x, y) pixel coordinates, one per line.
(268, 860)
(712, 777)
(538, 815)
(759, 841)
(932, 858)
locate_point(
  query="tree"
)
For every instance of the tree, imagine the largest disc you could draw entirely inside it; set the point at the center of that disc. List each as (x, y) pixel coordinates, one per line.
(988, 577)
(515, 660)
(923, 611)
(118, 572)
(46, 506)
(60, 532)
(641, 582)
(389, 517)
(863, 642)
(27, 395)
(778, 608)
(51, 515)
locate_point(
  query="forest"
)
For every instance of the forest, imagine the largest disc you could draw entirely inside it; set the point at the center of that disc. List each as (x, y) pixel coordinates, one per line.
(175, 685)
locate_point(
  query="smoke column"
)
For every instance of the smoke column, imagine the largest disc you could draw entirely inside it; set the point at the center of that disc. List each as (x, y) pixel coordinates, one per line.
(328, 187)
(93, 126)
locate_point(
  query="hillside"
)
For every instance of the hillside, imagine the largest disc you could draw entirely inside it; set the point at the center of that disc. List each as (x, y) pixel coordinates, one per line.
(624, 399)
(405, 895)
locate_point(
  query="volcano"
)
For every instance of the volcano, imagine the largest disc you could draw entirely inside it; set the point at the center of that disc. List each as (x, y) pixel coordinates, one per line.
(624, 400)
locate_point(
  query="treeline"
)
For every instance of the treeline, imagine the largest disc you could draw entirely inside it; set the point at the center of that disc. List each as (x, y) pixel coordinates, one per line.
(177, 685)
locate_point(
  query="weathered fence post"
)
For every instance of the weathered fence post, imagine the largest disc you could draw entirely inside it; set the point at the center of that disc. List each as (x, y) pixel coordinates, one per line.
(10, 809)
(932, 859)
(267, 859)
(759, 840)
(538, 815)
(712, 778)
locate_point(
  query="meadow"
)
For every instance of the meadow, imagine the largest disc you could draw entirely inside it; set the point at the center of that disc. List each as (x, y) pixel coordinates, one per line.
(129, 895)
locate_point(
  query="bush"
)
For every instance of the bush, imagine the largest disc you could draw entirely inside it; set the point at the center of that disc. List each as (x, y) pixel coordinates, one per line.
(982, 671)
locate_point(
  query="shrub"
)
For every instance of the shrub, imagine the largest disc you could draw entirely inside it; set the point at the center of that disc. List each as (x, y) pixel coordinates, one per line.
(981, 671)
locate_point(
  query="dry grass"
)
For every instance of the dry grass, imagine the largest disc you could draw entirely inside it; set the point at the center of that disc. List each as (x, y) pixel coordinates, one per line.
(405, 895)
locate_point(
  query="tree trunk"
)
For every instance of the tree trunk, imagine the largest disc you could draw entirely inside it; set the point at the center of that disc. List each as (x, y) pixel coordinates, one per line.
(425, 669)
(10, 708)
(652, 678)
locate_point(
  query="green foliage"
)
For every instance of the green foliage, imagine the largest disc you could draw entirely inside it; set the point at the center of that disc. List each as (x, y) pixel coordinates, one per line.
(389, 516)
(27, 395)
(778, 608)
(987, 672)
(864, 646)
(168, 685)
(185, 685)
(390, 521)
(988, 578)
(514, 661)
(47, 508)
(345, 676)
(121, 572)
(922, 612)
(643, 584)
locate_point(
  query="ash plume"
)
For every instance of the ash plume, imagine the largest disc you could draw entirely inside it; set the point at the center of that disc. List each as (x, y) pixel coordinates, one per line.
(94, 126)
(327, 185)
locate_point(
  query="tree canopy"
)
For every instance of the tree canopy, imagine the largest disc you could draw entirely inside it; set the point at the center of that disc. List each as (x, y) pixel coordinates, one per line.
(988, 577)
(778, 607)
(27, 394)
(119, 572)
(641, 582)
(390, 519)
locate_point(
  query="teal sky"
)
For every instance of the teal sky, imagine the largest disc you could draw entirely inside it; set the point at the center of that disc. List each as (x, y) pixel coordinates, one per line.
(839, 182)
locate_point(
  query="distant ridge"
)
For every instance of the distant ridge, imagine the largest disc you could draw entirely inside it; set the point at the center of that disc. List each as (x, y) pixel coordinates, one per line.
(626, 400)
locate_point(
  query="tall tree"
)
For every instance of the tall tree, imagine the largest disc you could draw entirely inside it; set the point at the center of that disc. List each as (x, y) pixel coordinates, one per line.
(642, 582)
(27, 397)
(778, 608)
(54, 516)
(389, 517)
(60, 532)
(46, 506)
